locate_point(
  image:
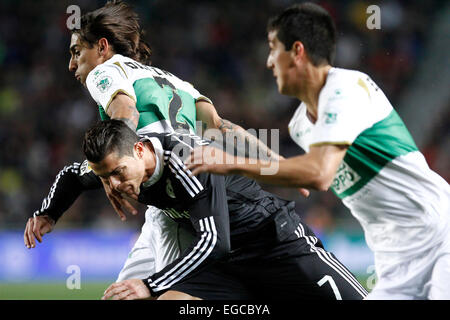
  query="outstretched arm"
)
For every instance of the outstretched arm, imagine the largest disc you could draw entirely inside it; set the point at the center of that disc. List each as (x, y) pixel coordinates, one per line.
(207, 113)
(70, 182)
(315, 169)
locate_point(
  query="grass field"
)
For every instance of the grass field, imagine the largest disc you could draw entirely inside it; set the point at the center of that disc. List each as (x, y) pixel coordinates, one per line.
(51, 291)
(58, 291)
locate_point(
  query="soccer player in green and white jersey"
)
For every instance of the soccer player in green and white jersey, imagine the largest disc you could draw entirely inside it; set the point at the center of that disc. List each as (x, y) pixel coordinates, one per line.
(357, 145)
(164, 102)
(110, 58)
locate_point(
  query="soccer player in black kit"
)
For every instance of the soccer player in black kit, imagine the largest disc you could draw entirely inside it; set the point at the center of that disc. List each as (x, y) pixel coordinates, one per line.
(248, 243)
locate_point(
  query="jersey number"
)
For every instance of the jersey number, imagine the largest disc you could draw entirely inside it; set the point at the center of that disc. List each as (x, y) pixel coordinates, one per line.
(333, 285)
(175, 104)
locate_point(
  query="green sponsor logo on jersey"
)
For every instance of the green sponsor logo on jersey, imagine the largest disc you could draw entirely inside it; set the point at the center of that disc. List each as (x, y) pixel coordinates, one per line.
(330, 117)
(370, 152)
(345, 178)
(301, 133)
(104, 84)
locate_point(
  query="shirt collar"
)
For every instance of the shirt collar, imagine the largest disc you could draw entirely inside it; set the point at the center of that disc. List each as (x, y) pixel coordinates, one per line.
(159, 156)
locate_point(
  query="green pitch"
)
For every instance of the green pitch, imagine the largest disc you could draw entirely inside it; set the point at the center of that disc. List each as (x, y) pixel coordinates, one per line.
(59, 291)
(51, 291)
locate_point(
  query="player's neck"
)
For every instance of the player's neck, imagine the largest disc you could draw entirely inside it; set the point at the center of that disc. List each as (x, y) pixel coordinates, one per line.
(315, 79)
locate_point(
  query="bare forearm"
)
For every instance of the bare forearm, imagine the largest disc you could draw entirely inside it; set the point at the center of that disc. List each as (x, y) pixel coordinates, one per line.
(250, 142)
(124, 108)
(129, 122)
(295, 172)
(313, 170)
(130, 117)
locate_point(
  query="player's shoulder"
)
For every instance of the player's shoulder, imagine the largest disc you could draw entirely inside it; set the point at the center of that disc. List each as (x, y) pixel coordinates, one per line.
(341, 84)
(111, 63)
(108, 70)
(345, 78)
(166, 140)
(155, 136)
(178, 144)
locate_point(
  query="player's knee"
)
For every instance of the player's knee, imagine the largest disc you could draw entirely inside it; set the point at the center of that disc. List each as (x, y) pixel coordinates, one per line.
(176, 295)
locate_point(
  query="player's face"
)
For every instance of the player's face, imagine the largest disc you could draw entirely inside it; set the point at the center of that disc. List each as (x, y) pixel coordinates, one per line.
(123, 174)
(82, 58)
(281, 62)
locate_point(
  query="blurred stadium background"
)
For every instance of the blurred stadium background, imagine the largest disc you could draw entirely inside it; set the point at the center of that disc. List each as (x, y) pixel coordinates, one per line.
(221, 48)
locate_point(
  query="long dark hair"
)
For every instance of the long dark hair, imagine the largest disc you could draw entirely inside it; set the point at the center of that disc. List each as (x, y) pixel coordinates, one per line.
(119, 24)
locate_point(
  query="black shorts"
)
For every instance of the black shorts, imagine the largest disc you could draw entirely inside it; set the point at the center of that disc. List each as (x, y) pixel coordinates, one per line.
(298, 268)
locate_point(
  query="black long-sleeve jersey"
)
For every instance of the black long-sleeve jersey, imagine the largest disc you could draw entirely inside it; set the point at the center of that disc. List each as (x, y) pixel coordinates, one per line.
(226, 213)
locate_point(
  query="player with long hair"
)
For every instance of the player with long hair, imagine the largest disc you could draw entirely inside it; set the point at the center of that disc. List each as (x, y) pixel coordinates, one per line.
(110, 57)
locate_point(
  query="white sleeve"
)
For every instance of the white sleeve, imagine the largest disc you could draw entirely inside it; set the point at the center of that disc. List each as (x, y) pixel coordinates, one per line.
(107, 80)
(342, 116)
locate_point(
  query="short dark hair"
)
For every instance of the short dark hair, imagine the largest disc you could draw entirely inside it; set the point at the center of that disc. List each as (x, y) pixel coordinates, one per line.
(312, 25)
(119, 24)
(106, 137)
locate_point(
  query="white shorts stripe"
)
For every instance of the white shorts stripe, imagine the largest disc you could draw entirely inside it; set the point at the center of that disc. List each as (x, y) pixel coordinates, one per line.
(350, 279)
(336, 263)
(344, 269)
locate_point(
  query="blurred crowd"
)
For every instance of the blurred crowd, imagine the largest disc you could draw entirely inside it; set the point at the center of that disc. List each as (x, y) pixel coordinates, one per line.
(221, 48)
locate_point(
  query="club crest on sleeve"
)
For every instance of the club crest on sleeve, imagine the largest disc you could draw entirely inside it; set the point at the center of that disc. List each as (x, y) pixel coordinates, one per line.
(85, 168)
(330, 117)
(104, 84)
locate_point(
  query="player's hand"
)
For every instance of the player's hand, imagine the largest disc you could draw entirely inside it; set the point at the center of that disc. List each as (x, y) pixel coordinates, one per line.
(210, 159)
(132, 289)
(35, 228)
(118, 202)
(304, 192)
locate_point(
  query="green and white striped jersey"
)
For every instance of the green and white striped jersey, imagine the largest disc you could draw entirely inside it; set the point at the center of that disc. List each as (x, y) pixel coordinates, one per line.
(164, 102)
(384, 180)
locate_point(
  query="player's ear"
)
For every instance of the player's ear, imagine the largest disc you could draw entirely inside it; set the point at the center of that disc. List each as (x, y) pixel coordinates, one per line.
(139, 149)
(298, 50)
(103, 46)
